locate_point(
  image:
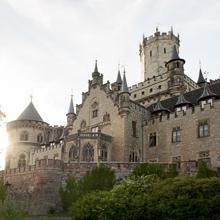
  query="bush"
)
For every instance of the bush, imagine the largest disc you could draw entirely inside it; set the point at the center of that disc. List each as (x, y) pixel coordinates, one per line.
(203, 170)
(149, 197)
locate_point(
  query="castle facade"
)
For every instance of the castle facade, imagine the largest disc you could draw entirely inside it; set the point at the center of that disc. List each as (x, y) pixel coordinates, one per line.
(167, 118)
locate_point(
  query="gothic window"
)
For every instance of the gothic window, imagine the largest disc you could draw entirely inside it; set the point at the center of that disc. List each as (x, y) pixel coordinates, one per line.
(22, 161)
(24, 136)
(104, 153)
(88, 153)
(153, 139)
(134, 128)
(83, 124)
(106, 117)
(133, 156)
(176, 135)
(203, 129)
(95, 113)
(73, 153)
(40, 138)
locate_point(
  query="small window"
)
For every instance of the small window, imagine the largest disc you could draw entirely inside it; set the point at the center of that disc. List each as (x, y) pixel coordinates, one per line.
(176, 135)
(151, 90)
(95, 129)
(135, 95)
(134, 128)
(159, 87)
(164, 50)
(24, 136)
(104, 153)
(39, 138)
(142, 92)
(150, 53)
(94, 113)
(203, 129)
(177, 64)
(133, 156)
(153, 139)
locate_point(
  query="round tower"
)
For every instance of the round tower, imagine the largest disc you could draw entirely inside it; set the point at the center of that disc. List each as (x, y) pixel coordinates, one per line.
(27, 132)
(155, 51)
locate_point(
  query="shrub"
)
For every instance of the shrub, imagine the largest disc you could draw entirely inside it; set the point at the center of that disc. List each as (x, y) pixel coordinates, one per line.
(203, 170)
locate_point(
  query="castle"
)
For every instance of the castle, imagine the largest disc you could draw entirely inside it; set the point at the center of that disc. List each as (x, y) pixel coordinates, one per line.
(167, 118)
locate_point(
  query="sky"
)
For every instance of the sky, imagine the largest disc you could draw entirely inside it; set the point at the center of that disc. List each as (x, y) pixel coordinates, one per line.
(48, 47)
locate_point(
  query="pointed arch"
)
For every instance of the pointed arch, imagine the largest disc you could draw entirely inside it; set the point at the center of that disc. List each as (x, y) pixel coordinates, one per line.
(88, 153)
(73, 153)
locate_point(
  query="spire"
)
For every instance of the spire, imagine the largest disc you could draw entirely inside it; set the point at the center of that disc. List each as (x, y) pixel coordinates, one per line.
(207, 93)
(201, 79)
(71, 107)
(158, 107)
(175, 55)
(30, 114)
(124, 87)
(182, 101)
(96, 72)
(119, 80)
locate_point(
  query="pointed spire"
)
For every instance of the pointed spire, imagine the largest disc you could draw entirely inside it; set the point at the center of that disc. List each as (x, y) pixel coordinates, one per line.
(124, 87)
(201, 79)
(207, 93)
(71, 106)
(158, 107)
(96, 72)
(171, 30)
(119, 80)
(175, 55)
(182, 101)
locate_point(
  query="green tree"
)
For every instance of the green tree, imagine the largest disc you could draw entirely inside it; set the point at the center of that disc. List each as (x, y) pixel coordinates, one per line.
(3, 191)
(203, 170)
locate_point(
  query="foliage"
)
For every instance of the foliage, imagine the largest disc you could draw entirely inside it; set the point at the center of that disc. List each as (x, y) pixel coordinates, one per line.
(149, 197)
(203, 170)
(3, 190)
(98, 179)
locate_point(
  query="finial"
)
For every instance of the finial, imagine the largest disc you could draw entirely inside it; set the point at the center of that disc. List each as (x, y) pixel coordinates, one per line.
(171, 29)
(31, 97)
(200, 64)
(156, 28)
(96, 67)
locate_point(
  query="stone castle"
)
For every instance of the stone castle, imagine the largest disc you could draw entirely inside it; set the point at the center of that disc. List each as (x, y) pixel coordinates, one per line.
(167, 118)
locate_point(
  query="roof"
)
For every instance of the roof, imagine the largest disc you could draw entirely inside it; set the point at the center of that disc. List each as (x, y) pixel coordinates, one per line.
(158, 107)
(207, 93)
(119, 80)
(71, 107)
(182, 101)
(192, 97)
(30, 113)
(124, 86)
(201, 77)
(175, 55)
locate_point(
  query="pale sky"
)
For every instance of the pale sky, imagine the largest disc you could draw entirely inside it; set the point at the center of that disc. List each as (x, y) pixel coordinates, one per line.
(48, 47)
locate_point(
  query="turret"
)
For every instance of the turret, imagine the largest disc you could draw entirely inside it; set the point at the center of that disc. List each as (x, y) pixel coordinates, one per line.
(182, 103)
(159, 109)
(71, 116)
(201, 80)
(116, 86)
(124, 97)
(175, 68)
(97, 78)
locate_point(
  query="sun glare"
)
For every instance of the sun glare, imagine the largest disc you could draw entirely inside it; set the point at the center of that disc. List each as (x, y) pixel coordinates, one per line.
(3, 144)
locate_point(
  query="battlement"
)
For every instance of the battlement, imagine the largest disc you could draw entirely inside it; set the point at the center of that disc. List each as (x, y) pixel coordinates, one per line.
(47, 148)
(161, 36)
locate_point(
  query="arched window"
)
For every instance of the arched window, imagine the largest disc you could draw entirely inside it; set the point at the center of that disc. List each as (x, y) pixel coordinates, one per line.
(73, 153)
(22, 161)
(88, 153)
(24, 136)
(133, 157)
(104, 153)
(40, 138)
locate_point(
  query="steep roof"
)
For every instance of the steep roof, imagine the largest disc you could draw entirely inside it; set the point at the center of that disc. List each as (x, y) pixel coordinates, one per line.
(182, 101)
(30, 113)
(201, 77)
(175, 56)
(119, 80)
(207, 93)
(124, 86)
(71, 107)
(192, 97)
(158, 107)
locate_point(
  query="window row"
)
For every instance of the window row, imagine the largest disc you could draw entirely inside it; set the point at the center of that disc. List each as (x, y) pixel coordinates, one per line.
(203, 130)
(24, 136)
(150, 91)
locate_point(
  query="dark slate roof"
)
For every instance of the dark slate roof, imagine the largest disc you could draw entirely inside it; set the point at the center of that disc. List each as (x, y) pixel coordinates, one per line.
(175, 55)
(124, 86)
(71, 107)
(30, 114)
(207, 93)
(96, 72)
(158, 107)
(119, 80)
(201, 78)
(192, 97)
(182, 101)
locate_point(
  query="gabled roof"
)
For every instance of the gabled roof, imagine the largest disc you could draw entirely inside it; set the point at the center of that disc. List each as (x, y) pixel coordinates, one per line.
(207, 93)
(182, 101)
(30, 114)
(201, 78)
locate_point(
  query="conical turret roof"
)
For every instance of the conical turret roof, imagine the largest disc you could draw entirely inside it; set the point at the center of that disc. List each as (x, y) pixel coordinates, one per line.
(159, 108)
(207, 93)
(71, 107)
(119, 80)
(96, 72)
(201, 79)
(182, 101)
(124, 86)
(175, 55)
(30, 114)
